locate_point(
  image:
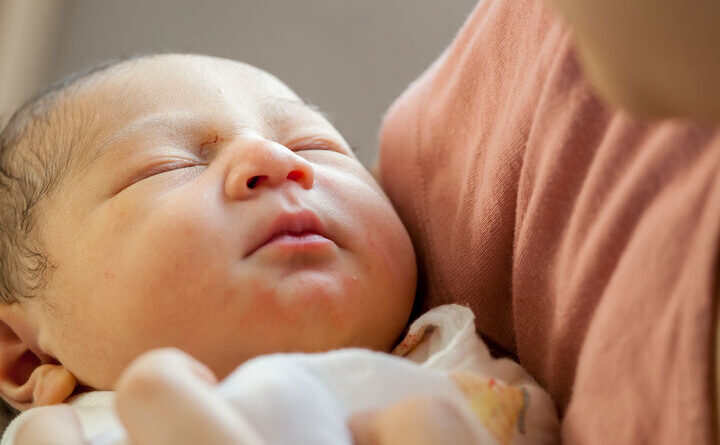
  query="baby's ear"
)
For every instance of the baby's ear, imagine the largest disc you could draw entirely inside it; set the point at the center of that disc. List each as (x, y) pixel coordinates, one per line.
(28, 378)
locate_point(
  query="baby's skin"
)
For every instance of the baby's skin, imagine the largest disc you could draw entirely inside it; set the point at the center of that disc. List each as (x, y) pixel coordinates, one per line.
(209, 209)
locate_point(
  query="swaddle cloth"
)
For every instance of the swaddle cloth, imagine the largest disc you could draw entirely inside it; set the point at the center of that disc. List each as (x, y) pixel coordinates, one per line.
(308, 398)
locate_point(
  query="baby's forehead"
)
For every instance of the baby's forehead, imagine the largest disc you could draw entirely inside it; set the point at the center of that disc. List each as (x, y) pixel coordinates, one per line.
(162, 81)
(171, 91)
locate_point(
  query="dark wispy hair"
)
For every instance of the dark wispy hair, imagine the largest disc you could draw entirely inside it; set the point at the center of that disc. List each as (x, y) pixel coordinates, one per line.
(35, 154)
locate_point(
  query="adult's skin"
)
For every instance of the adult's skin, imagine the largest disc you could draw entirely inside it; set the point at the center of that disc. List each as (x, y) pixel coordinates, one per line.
(652, 57)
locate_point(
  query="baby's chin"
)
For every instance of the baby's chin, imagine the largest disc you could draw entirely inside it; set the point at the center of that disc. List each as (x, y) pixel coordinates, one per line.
(309, 310)
(316, 329)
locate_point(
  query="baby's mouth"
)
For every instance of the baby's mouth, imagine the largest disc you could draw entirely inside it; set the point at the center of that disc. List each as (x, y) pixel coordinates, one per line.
(294, 231)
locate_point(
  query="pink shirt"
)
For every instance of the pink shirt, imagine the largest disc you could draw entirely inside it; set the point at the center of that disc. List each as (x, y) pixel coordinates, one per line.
(584, 240)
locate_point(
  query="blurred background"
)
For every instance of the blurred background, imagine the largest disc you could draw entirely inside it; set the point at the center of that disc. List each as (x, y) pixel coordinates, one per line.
(350, 58)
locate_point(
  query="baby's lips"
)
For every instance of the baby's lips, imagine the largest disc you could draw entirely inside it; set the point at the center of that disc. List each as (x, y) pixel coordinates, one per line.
(298, 222)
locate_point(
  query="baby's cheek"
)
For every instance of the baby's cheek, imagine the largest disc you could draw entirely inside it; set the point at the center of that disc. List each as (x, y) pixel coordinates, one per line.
(175, 261)
(184, 244)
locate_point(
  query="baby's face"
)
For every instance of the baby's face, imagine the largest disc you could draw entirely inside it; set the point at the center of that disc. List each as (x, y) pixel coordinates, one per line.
(222, 216)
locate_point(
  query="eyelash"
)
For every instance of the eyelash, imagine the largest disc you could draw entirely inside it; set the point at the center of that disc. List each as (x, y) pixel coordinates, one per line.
(315, 144)
(160, 169)
(310, 147)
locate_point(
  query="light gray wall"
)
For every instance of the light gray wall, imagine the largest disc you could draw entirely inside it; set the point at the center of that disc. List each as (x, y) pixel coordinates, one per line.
(351, 58)
(27, 35)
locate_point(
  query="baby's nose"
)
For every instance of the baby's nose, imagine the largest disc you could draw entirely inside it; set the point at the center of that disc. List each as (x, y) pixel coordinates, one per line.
(265, 164)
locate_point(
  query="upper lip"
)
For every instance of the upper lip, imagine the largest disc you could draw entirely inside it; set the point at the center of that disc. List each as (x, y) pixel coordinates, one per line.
(303, 221)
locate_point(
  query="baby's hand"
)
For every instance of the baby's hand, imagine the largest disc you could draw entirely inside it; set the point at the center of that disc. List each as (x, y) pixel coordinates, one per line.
(417, 421)
(166, 397)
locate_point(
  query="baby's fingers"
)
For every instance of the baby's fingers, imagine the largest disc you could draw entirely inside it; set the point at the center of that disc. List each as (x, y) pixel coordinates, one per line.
(417, 421)
(50, 425)
(166, 397)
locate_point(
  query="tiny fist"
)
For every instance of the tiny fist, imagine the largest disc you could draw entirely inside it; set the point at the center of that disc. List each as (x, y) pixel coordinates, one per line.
(161, 367)
(416, 421)
(362, 428)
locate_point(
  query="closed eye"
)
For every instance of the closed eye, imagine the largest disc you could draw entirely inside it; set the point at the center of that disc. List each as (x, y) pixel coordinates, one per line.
(316, 143)
(160, 168)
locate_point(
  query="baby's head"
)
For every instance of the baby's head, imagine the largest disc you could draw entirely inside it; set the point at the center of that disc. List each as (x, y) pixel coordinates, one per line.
(186, 201)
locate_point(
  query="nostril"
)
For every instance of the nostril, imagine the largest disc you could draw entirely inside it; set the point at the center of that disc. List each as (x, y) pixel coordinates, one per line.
(255, 180)
(295, 175)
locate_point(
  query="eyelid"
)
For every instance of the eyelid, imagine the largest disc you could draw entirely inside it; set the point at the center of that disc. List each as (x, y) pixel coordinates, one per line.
(315, 143)
(159, 167)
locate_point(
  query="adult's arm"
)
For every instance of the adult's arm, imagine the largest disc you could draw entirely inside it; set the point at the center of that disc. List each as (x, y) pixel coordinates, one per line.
(652, 57)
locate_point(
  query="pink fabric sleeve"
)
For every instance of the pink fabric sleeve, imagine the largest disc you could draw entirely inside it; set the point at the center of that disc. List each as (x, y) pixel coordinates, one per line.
(584, 240)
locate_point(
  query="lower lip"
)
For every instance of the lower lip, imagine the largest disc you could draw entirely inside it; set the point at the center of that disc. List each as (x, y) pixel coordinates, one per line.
(304, 241)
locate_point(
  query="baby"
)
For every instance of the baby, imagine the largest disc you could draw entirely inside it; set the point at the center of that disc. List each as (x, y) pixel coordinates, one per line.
(198, 203)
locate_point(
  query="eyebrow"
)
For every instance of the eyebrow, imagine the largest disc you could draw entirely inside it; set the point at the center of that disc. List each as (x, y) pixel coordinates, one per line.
(186, 122)
(317, 110)
(301, 103)
(173, 124)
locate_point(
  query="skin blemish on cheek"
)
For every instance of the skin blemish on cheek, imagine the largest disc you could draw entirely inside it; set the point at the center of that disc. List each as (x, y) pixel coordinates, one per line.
(109, 274)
